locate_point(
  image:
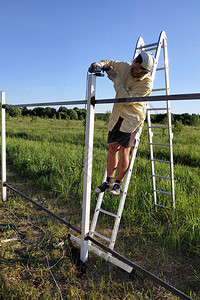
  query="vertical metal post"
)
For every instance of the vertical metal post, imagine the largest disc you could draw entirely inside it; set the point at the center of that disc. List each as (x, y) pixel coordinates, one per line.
(3, 145)
(88, 166)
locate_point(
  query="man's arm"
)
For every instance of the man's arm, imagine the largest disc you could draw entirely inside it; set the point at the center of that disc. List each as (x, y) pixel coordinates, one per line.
(143, 90)
(117, 66)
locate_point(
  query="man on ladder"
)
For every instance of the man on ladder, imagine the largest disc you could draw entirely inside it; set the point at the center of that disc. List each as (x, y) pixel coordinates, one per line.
(130, 80)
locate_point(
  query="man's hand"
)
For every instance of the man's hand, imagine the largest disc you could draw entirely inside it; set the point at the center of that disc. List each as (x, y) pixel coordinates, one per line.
(112, 74)
(91, 68)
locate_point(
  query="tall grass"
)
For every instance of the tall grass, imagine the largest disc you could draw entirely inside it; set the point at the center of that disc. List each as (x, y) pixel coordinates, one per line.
(50, 153)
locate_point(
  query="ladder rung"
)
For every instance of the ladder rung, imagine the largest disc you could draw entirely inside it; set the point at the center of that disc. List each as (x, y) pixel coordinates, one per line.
(162, 177)
(107, 212)
(157, 90)
(162, 108)
(162, 206)
(150, 49)
(159, 144)
(158, 126)
(101, 236)
(160, 69)
(160, 160)
(146, 46)
(162, 192)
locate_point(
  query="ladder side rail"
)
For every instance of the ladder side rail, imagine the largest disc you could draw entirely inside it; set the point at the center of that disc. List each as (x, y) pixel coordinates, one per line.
(166, 64)
(151, 156)
(124, 193)
(98, 206)
(3, 146)
(88, 167)
(171, 157)
(162, 44)
(139, 46)
(157, 54)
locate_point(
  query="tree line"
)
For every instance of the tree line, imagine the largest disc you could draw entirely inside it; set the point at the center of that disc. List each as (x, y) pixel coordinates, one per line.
(185, 119)
(80, 114)
(48, 112)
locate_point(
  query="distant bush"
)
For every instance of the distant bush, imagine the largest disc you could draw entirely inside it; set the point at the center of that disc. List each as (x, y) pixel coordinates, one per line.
(80, 112)
(73, 114)
(178, 126)
(62, 115)
(63, 109)
(26, 112)
(194, 120)
(14, 111)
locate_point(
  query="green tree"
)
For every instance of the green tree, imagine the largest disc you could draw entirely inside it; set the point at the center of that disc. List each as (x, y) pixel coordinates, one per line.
(73, 114)
(107, 116)
(194, 120)
(49, 112)
(14, 111)
(38, 111)
(81, 113)
(26, 111)
(62, 115)
(63, 109)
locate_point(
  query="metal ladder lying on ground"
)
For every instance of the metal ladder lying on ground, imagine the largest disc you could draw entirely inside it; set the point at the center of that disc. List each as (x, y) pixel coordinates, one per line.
(140, 47)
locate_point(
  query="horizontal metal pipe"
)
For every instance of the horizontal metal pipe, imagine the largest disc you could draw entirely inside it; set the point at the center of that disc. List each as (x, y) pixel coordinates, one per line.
(178, 97)
(151, 98)
(141, 270)
(76, 102)
(45, 209)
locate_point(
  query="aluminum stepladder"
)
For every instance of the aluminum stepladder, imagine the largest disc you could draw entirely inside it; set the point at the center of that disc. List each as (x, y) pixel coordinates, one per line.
(162, 44)
(139, 47)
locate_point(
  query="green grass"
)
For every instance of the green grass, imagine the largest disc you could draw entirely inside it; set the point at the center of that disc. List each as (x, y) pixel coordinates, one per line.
(47, 156)
(50, 153)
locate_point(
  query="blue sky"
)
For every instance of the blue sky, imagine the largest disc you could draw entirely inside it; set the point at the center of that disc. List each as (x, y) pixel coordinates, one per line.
(48, 45)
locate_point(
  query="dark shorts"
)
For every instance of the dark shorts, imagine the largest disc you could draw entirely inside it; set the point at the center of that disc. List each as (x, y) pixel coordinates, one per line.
(126, 140)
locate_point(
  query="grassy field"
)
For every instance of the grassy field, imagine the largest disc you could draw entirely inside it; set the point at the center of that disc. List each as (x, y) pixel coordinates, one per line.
(45, 160)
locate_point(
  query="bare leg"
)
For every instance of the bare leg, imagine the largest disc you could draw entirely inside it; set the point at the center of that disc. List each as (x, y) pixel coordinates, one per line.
(112, 159)
(123, 162)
